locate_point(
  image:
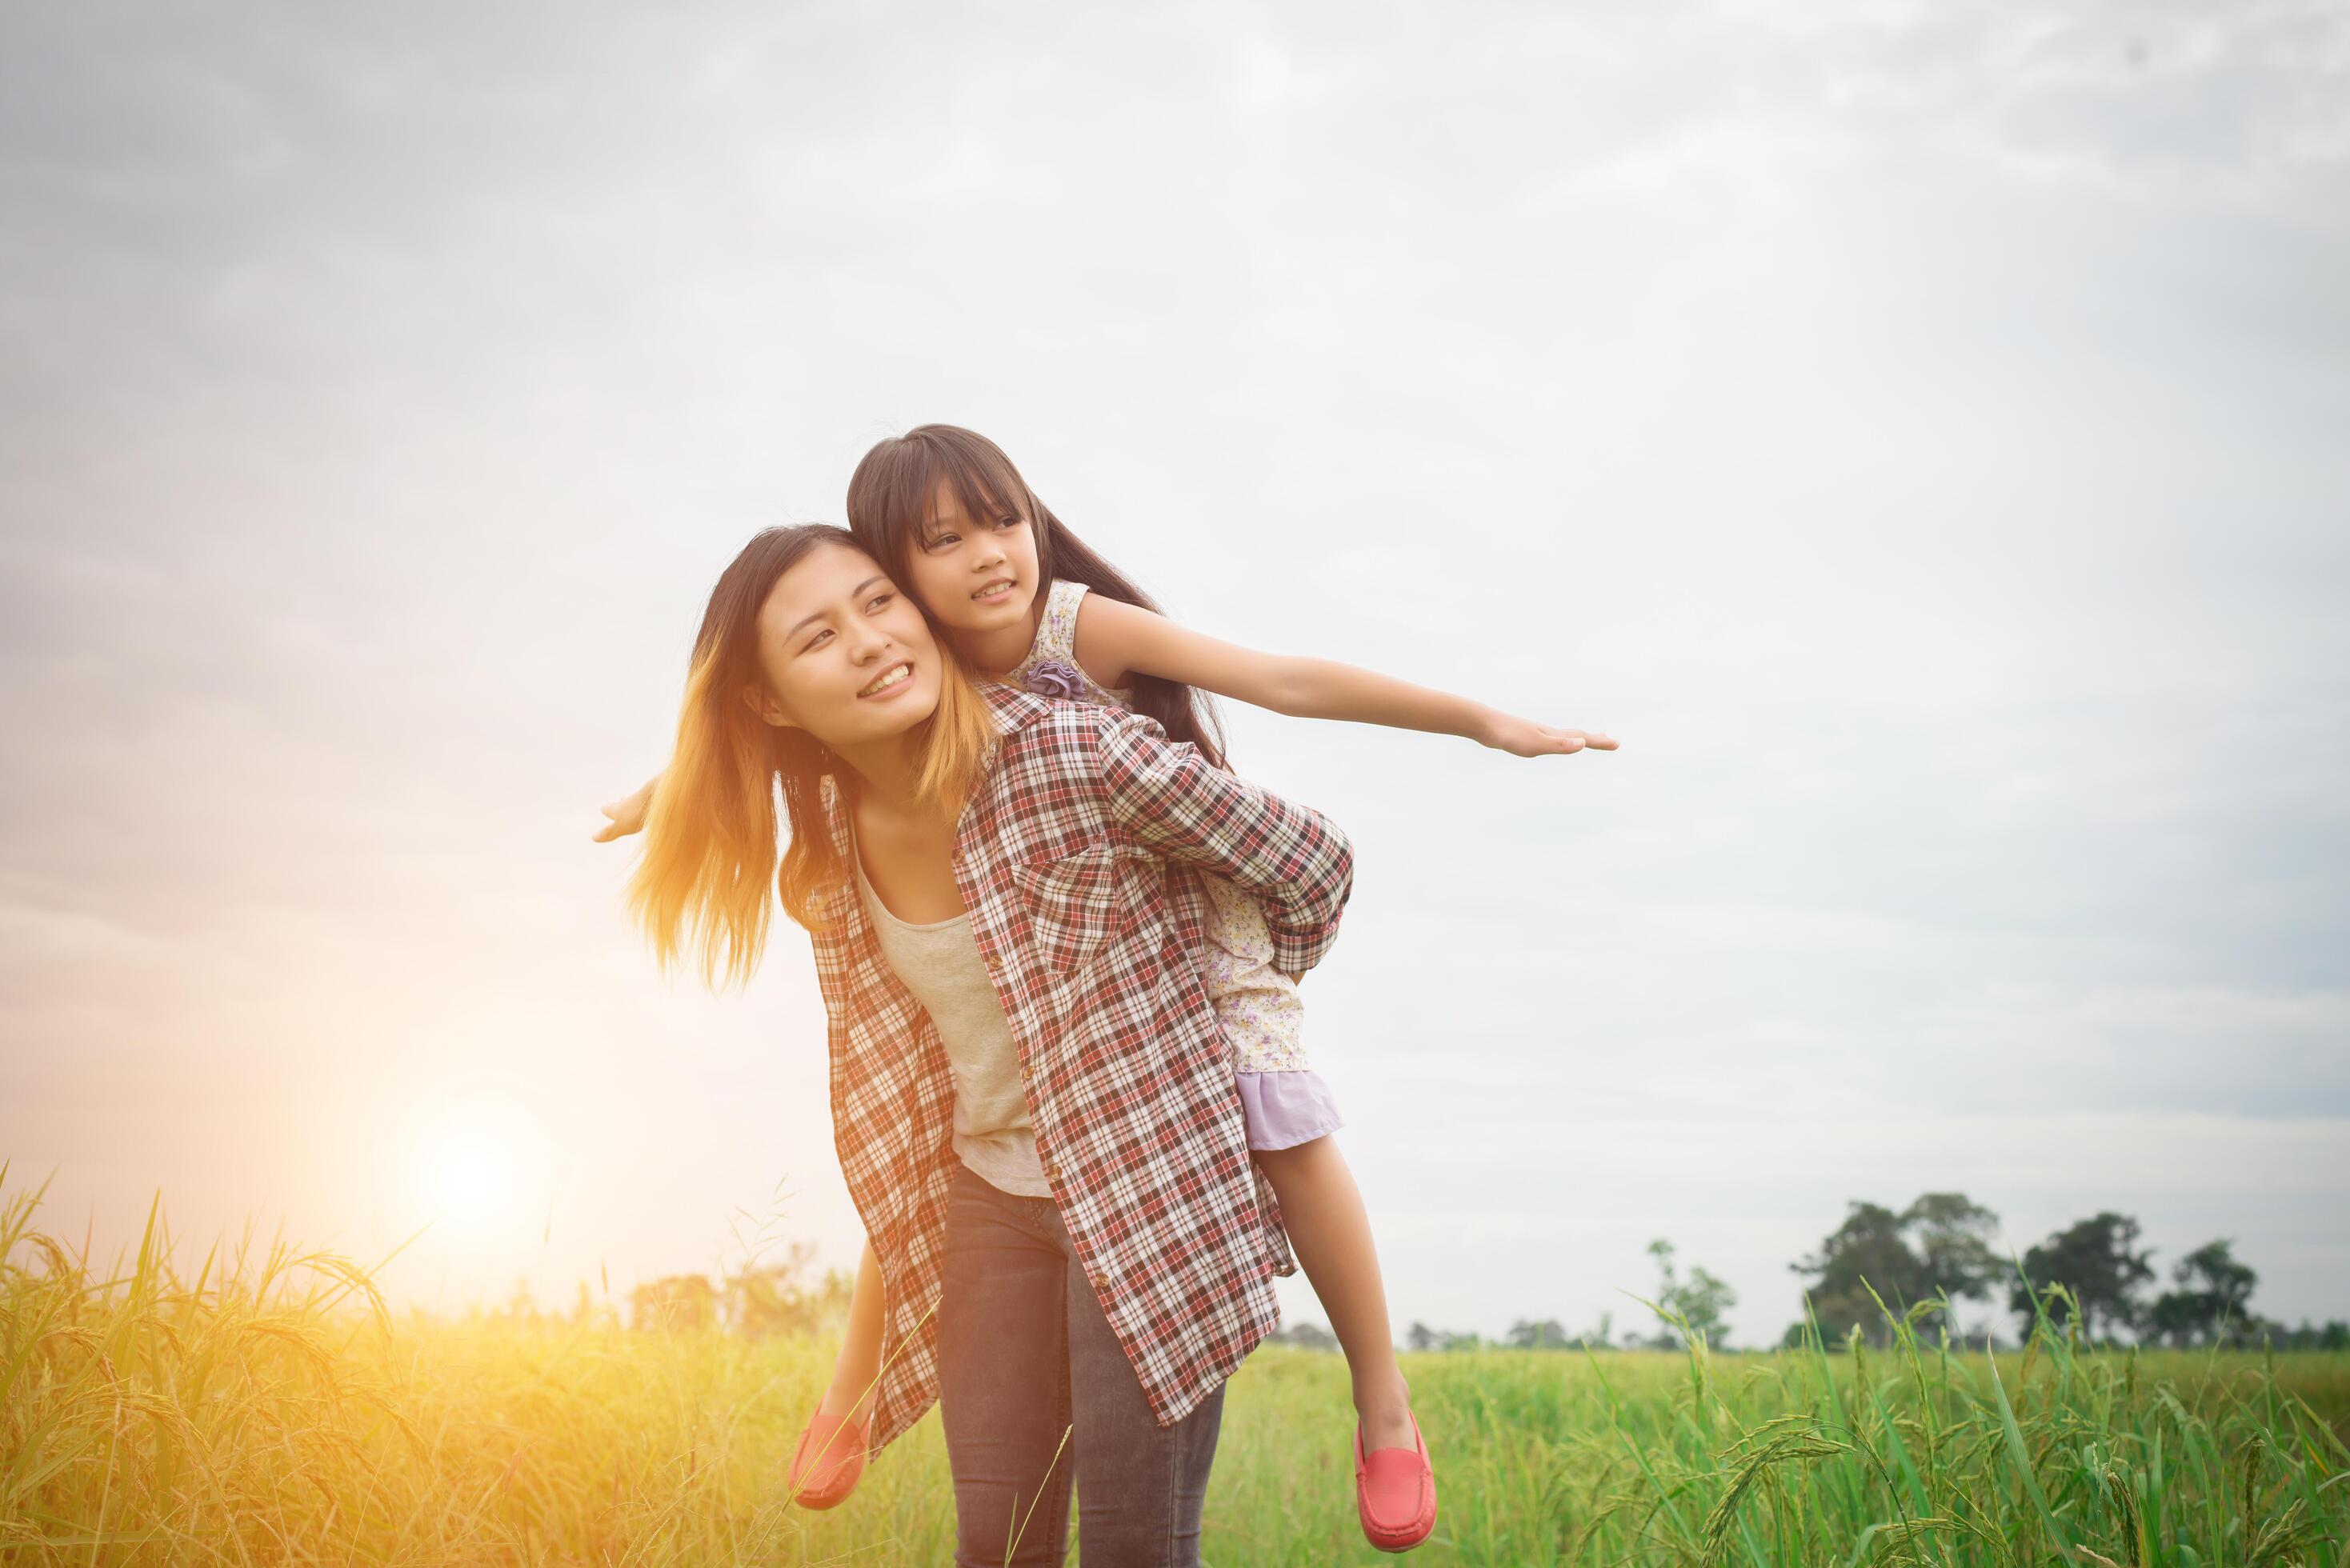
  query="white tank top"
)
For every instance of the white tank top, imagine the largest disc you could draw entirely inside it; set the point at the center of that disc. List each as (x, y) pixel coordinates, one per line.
(940, 963)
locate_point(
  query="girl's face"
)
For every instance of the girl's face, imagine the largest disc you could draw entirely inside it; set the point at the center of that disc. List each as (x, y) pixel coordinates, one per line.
(975, 574)
(846, 656)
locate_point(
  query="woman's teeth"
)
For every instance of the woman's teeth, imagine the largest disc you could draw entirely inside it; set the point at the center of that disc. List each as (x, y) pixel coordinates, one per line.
(898, 676)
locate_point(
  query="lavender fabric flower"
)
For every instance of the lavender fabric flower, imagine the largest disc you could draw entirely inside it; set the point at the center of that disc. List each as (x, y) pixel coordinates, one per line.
(1052, 678)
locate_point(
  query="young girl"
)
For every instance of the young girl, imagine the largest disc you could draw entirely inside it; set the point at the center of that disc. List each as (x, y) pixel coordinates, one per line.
(1022, 600)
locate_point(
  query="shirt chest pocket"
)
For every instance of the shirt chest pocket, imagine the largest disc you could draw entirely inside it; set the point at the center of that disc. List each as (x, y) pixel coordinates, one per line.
(1080, 903)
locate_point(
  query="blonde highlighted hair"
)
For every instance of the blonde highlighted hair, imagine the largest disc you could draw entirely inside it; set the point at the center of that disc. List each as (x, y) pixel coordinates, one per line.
(712, 838)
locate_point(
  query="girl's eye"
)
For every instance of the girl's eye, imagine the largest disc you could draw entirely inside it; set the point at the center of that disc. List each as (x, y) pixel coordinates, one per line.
(1007, 522)
(942, 541)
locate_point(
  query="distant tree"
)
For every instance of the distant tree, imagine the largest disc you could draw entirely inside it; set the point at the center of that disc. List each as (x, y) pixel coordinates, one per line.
(676, 1302)
(584, 1309)
(1419, 1336)
(1939, 1245)
(1869, 1249)
(2214, 1299)
(1952, 1236)
(2177, 1318)
(1304, 1336)
(1548, 1335)
(762, 1300)
(2096, 1261)
(1699, 1300)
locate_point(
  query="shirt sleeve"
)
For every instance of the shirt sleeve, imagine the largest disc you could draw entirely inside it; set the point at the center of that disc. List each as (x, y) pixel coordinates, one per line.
(1184, 807)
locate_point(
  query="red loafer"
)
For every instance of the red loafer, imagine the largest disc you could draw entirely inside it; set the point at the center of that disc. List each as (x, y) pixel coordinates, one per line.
(1395, 1492)
(828, 1461)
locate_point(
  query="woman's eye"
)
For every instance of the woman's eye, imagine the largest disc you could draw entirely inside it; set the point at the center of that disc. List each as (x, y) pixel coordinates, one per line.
(814, 642)
(879, 600)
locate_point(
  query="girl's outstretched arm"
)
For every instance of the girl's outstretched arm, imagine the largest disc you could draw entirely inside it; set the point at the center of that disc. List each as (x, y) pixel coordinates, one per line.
(1116, 640)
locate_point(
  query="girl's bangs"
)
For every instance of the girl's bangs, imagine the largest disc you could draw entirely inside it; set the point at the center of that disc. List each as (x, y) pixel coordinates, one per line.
(981, 481)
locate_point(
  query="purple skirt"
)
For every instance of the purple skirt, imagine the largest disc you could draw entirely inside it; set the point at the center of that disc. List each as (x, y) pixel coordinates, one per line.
(1285, 1109)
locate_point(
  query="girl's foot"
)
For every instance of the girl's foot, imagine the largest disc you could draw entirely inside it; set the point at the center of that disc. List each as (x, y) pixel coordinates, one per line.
(1395, 1491)
(828, 1461)
(847, 1402)
(1383, 1413)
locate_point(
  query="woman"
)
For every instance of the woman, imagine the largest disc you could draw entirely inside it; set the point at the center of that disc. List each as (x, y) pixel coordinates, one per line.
(1033, 1106)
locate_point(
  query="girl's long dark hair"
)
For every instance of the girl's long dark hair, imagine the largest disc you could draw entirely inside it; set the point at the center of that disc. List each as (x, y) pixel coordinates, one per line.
(890, 501)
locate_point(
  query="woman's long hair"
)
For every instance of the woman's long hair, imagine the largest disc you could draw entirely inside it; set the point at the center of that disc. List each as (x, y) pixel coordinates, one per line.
(890, 498)
(711, 836)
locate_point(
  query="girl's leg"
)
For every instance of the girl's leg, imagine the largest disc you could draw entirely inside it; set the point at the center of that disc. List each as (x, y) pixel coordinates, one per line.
(856, 1370)
(1330, 1232)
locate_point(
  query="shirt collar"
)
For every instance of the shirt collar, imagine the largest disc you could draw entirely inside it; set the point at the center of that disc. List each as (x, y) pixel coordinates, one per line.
(1010, 708)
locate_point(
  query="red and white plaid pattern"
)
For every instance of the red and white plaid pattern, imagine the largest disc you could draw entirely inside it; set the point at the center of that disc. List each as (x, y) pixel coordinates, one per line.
(1074, 860)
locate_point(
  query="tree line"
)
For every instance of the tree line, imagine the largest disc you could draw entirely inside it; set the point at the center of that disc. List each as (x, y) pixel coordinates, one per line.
(1922, 1261)
(755, 1299)
(2092, 1276)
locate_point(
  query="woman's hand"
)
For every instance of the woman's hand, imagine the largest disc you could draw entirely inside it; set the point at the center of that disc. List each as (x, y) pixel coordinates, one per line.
(628, 814)
(1524, 738)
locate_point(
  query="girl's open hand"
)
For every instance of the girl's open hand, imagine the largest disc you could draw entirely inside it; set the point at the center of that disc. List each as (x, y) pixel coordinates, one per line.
(1524, 738)
(627, 815)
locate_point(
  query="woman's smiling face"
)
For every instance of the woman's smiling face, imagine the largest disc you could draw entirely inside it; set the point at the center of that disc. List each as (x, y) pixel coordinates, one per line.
(846, 656)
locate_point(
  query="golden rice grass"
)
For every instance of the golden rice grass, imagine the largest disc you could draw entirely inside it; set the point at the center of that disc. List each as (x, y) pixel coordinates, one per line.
(271, 1408)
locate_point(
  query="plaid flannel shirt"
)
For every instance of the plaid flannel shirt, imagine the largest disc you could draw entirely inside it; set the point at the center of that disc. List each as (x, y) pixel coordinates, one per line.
(1074, 860)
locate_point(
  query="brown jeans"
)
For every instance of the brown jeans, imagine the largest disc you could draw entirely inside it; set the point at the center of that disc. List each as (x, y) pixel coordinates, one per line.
(1037, 1393)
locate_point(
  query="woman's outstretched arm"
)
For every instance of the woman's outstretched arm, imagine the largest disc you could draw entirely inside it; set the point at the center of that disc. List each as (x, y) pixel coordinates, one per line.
(627, 814)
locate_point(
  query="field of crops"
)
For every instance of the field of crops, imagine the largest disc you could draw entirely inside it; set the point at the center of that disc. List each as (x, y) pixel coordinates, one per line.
(266, 1410)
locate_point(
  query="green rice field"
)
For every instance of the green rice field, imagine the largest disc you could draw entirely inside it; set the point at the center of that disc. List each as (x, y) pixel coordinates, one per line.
(266, 1409)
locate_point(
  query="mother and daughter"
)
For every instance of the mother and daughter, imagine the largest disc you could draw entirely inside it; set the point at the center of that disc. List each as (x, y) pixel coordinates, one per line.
(1059, 945)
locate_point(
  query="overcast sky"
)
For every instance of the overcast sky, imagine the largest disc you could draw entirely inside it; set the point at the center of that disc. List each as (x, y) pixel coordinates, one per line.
(1918, 430)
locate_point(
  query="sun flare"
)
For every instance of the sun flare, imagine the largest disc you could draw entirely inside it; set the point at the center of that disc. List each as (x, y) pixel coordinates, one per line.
(483, 1164)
